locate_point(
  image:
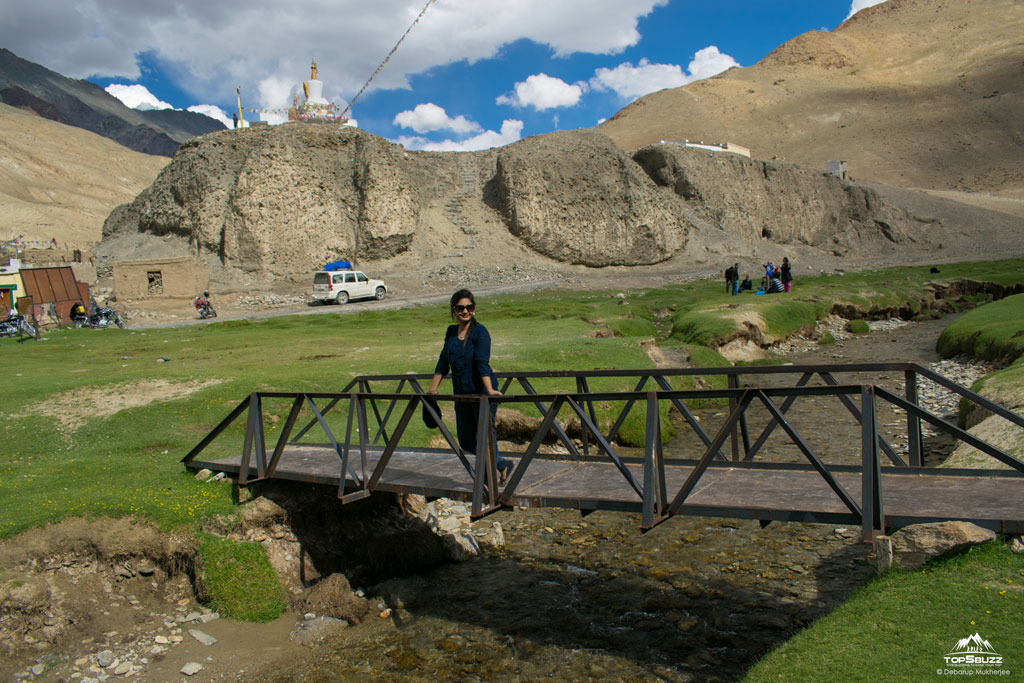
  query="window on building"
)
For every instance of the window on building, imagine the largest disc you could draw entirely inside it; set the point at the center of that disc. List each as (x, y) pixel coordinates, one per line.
(155, 282)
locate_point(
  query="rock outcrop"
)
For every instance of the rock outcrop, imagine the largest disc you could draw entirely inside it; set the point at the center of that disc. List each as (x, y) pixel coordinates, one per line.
(277, 202)
(577, 198)
(787, 204)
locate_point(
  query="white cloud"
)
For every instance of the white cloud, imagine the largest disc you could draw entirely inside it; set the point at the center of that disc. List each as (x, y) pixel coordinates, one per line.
(511, 130)
(631, 81)
(429, 117)
(541, 91)
(136, 97)
(214, 112)
(209, 48)
(858, 5)
(708, 62)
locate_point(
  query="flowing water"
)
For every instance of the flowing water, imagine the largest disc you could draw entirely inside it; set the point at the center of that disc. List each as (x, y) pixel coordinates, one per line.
(591, 598)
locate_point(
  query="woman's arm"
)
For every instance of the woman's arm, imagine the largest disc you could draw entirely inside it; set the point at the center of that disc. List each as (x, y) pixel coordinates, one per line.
(442, 367)
(482, 359)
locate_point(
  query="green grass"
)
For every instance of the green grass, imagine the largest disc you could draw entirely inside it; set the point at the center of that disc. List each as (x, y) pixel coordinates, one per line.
(899, 626)
(827, 339)
(236, 578)
(992, 332)
(858, 327)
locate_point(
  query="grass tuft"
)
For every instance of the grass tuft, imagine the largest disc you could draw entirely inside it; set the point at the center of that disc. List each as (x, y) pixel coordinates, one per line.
(858, 327)
(237, 579)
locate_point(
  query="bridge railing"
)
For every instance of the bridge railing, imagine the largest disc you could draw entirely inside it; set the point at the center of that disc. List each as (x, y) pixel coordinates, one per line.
(377, 420)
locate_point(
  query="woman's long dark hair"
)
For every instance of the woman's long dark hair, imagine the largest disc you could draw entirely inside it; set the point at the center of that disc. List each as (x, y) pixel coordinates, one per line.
(456, 298)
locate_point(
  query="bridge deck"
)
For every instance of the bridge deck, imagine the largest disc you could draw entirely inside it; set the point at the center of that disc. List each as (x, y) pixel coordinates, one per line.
(765, 491)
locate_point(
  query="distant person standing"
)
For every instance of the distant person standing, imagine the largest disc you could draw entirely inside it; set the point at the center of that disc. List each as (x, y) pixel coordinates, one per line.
(732, 278)
(786, 273)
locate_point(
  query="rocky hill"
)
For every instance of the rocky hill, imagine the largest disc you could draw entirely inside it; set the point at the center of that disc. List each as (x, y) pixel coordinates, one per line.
(29, 86)
(913, 93)
(276, 203)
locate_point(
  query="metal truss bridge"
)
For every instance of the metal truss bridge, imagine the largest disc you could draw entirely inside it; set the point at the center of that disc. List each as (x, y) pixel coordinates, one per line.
(821, 451)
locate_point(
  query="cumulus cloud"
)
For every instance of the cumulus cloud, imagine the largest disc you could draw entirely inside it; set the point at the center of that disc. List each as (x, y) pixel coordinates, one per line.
(541, 92)
(709, 62)
(511, 130)
(429, 117)
(211, 47)
(136, 97)
(630, 81)
(214, 112)
(858, 5)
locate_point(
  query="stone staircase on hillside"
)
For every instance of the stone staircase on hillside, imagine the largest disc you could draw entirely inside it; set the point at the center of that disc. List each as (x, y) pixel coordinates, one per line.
(455, 209)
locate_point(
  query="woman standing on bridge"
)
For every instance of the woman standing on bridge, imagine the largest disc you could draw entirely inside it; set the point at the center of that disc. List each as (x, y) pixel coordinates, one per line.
(467, 353)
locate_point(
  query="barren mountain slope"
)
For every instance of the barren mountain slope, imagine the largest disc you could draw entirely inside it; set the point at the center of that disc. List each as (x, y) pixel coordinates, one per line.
(914, 93)
(60, 181)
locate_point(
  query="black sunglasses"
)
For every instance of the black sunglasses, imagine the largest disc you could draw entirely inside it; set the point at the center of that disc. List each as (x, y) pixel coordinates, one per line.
(459, 308)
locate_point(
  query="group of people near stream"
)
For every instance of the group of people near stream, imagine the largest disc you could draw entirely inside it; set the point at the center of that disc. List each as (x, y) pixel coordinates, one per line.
(777, 279)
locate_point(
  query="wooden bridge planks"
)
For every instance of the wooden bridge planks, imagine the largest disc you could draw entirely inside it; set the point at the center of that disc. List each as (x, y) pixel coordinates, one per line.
(765, 492)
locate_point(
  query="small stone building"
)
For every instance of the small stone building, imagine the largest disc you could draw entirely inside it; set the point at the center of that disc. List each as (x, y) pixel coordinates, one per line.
(165, 277)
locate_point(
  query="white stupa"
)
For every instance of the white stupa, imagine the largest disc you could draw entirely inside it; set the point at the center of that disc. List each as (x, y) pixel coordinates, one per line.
(314, 108)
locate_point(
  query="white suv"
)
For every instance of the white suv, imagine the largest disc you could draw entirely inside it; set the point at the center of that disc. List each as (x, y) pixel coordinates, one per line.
(338, 286)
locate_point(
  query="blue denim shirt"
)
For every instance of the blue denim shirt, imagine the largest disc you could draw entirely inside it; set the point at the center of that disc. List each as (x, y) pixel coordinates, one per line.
(469, 362)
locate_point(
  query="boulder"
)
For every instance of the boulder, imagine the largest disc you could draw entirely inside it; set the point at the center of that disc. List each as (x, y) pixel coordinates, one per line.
(917, 543)
(333, 597)
(461, 546)
(263, 512)
(576, 197)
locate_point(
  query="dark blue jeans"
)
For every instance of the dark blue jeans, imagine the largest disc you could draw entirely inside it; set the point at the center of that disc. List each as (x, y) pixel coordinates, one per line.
(466, 423)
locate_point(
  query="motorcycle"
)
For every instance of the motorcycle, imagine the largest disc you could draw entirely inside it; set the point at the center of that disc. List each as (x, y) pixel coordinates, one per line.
(105, 317)
(16, 324)
(204, 307)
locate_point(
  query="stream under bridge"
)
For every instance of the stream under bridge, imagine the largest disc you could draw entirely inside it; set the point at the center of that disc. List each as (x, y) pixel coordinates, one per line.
(840, 444)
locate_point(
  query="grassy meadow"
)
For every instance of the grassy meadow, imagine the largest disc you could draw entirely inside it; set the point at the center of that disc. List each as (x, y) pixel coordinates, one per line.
(126, 462)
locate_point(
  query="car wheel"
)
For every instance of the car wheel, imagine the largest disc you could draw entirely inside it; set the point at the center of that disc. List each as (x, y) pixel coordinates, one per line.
(379, 293)
(342, 298)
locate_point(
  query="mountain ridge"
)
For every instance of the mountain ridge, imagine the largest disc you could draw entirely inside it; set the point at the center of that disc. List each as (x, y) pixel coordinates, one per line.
(912, 93)
(84, 104)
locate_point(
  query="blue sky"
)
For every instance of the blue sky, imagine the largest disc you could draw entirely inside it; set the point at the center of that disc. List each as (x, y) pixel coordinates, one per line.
(471, 74)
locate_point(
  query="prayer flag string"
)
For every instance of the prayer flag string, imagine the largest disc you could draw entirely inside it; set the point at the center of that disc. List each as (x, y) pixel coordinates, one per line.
(386, 59)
